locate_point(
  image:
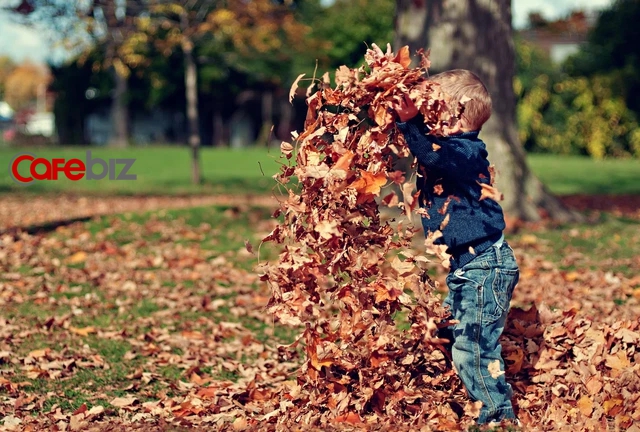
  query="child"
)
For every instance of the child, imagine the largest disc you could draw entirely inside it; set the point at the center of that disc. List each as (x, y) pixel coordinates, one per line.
(483, 269)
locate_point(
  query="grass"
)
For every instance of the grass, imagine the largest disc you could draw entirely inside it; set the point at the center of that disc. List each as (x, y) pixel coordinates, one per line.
(159, 310)
(133, 314)
(612, 242)
(163, 170)
(566, 175)
(159, 170)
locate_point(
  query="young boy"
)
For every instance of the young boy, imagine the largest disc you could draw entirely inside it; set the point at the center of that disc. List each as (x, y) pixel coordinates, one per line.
(483, 270)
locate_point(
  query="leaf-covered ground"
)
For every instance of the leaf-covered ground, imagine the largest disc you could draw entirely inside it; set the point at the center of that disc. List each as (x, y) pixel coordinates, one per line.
(155, 321)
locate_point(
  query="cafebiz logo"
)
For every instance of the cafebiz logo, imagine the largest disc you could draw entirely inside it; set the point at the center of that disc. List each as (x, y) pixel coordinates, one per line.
(27, 168)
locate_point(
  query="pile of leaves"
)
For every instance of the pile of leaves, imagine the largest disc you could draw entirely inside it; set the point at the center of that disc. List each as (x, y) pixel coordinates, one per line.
(344, 275)
(570, 370)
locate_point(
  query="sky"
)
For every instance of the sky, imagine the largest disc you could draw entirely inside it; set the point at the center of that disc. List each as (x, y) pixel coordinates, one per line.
(22, 43)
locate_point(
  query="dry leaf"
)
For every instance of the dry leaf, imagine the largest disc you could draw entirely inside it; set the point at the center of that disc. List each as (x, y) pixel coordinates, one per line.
(294, 88)
(494, 369)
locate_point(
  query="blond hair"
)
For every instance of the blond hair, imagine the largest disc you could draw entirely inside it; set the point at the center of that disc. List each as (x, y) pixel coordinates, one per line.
(458, 83)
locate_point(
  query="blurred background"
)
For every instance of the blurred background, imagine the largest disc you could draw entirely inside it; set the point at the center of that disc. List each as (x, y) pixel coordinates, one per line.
(151, 77)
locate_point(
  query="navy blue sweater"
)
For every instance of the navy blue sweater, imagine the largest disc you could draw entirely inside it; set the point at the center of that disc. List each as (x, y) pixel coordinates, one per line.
(451, 174)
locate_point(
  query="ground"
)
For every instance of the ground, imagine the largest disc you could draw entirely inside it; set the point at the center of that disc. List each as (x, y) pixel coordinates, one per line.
(130, 312)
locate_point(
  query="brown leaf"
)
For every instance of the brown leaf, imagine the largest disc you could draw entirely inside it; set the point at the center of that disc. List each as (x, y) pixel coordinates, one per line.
(294, 88)
(248, 246)
(585, 405)
(489, 191)
(123, 402)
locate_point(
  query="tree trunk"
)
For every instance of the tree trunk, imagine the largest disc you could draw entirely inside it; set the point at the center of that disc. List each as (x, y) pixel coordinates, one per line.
(267, 118)
(477, 35)
(218, 126)
(119, 111)
(191, 85)
(286, 116)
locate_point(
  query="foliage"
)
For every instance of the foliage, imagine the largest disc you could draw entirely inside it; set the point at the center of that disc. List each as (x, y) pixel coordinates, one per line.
(6, 66)
(612, 50)
(562, 114)
(23, 84)
(349, 27)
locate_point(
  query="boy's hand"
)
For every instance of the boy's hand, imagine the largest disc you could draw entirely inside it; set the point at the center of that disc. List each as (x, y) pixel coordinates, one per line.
(405, 109)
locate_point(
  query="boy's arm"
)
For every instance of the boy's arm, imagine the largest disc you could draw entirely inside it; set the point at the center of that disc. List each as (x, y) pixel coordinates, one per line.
(421, 145)
(415, 134)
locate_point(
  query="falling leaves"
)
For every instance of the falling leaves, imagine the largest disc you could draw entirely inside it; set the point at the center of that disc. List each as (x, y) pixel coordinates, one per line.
(335, 274)
(489, 191)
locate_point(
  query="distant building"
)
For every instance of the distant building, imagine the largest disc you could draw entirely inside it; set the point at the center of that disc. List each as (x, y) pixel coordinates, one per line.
(559, 39)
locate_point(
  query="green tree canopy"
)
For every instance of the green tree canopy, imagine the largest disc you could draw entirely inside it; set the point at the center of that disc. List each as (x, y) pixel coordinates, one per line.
(613, 48)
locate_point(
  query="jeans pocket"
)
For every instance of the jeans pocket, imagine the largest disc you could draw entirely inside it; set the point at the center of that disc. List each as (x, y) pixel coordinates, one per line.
(497, 295)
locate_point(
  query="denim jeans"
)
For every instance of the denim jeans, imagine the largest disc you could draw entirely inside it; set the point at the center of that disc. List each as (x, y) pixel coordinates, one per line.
(479, 297)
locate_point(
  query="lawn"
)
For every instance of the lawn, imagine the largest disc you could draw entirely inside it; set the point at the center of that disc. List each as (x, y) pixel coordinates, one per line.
(580, 175)
(159, 316)
(157, 319)
(162, 170)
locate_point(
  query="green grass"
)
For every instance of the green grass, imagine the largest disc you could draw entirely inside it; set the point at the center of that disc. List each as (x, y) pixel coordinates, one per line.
(222, 230)
(566, 175)
(609, 241)
(159, 170)
(167, 170)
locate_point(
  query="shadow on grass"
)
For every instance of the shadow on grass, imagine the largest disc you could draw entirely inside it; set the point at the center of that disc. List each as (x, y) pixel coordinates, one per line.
(43, 228)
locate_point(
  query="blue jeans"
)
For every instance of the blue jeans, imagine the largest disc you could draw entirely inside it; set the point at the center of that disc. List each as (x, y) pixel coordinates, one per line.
(479, 296)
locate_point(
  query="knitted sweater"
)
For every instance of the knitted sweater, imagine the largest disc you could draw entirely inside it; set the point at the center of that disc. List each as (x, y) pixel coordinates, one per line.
(451, 174)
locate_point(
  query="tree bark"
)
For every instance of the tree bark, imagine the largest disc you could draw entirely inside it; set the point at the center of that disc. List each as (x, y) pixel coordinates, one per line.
(267, 118)
(191, 86)
(477, 35)
(218, 126)
(119, 111)
(286, 116)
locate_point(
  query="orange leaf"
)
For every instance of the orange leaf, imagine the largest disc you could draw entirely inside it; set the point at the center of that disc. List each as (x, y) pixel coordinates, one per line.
(77, 257)
(369, 183)
(403, 57)
(612, 406)
(594, 385)
(344, 162)
(382, 116)
(489, 191)
(585, 405)
(349, 417)
(39, 353)
(84, 331)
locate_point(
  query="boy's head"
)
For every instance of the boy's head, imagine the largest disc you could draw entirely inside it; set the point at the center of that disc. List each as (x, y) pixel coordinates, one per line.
(458, 83)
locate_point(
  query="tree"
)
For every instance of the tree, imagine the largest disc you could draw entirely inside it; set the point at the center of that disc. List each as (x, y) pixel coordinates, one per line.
(105, 23)
(246, 36)
(612, 48)
(347, 26)
(24, 84)
(477, 35)
(6, 67)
